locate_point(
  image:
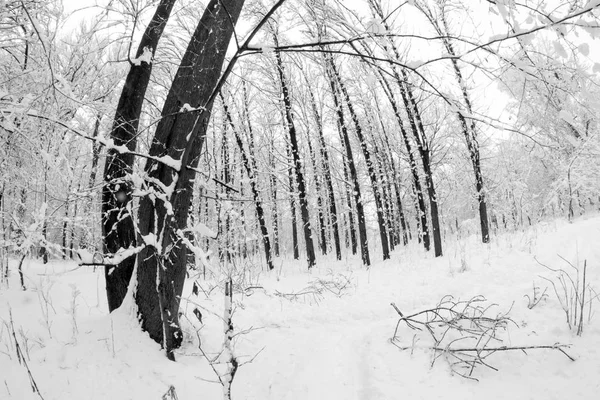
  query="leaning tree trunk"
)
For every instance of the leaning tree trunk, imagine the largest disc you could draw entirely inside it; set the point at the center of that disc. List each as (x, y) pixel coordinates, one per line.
(386, 196)
(247, 161)
(414, 119)
(470, 133)
(320, 215)
(333, 214)
(360, 213)
(287, 103)
(440, 24)
(420, 206)
(325, 166)
(175, 152)
(117, 226)
(394, 183)
(275, 209)
(370, 167)
(418, 130)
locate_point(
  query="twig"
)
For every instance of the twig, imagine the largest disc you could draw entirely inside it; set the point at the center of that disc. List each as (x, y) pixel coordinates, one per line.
(21, 358)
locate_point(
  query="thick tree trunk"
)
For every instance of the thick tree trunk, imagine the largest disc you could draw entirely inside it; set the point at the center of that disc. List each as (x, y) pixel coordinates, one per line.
(117, 226)
(294, 148)
(179, 139)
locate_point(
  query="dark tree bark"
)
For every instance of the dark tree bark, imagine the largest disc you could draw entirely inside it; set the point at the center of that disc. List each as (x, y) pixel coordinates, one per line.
(295, 244)
(327, 175)
(416, 124)
(394, 184)
(275, 210)
(421, 210)
(351, 231)
(360, 213)
(72, 241)
(66, 223)
(178, 139)
(418, 131)
(95, 154)
(440, 24)
(117, 225)
(370, 167)
(250, 167)
(294, 148)
(385, 188)
(320, 216)
(470, 132)
(225, 231)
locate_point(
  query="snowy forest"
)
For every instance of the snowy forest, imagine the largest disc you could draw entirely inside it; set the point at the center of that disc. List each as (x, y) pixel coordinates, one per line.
(299, 199)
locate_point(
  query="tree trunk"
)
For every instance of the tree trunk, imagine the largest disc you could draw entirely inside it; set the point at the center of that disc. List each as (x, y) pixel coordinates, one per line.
(179, 137)
(117, 225)
(275, 211)
(353, 243)
(250, 171)
(421, 210)
(416, 124)
(370, 167)
(393, 181)
(469, 130)
(65, 224)
(320, 215)
(362, 228)
(294, 148)
(295, 244)
(327, 175)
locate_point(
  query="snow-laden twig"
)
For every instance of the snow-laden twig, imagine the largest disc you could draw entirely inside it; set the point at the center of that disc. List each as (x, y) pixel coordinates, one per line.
(570, 293)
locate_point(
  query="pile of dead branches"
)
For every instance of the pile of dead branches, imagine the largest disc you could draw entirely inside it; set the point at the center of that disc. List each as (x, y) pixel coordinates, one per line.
(334, 284)
(465, 333)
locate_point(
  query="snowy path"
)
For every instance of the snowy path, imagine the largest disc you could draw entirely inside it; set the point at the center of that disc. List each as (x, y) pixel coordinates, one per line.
(333, 348)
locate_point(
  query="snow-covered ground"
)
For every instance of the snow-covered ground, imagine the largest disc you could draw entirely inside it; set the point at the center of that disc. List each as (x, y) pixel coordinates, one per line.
(311, 345)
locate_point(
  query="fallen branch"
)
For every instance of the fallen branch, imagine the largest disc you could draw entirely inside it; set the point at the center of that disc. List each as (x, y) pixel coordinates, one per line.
(451, 322)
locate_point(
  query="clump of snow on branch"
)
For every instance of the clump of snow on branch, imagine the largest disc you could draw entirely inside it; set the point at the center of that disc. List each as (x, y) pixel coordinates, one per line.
(146, 57)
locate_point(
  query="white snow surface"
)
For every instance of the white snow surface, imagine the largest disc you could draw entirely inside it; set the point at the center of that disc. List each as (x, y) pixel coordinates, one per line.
(324, 347)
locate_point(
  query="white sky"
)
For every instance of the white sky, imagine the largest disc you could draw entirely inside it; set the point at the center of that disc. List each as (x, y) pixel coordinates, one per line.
(411, 21)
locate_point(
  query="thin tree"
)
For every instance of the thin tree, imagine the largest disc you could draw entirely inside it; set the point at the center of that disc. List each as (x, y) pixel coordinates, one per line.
(469, 128)
(367, 156)
(297, 163)
(250, 168)
(360, 213)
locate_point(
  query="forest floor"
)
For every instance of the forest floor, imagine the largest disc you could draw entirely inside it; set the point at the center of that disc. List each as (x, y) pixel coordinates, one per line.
(323, 334)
